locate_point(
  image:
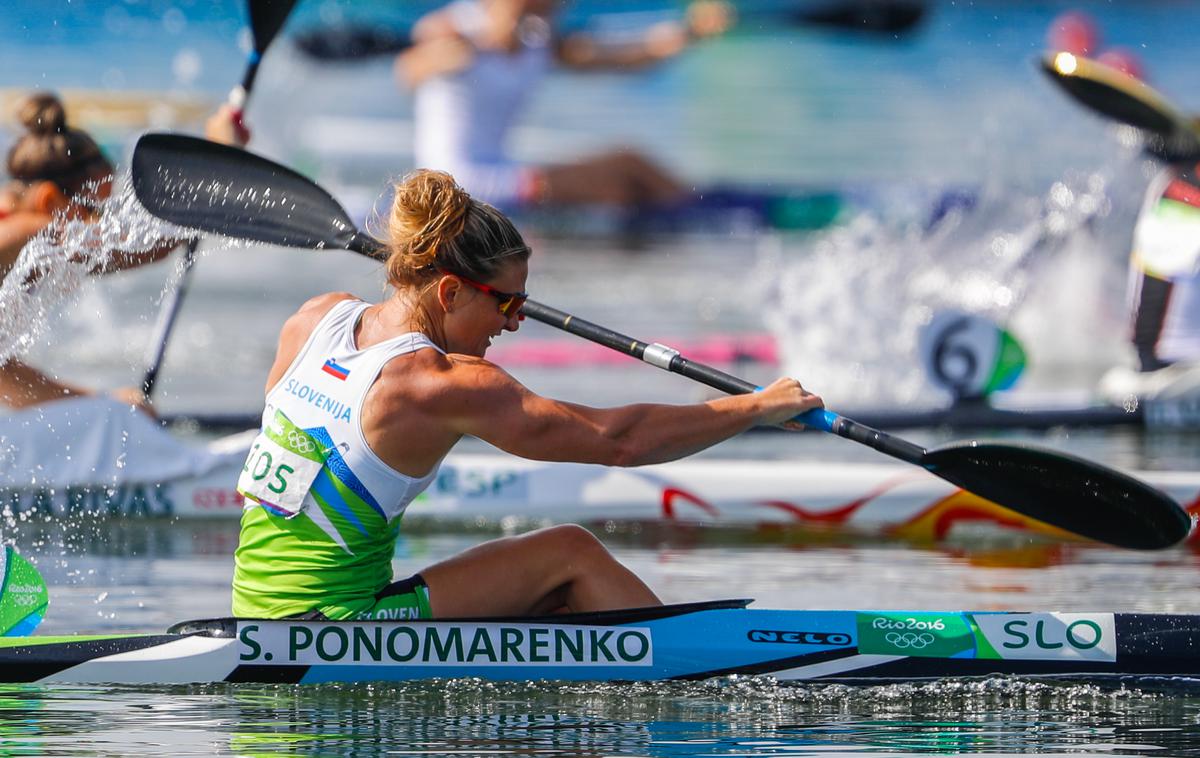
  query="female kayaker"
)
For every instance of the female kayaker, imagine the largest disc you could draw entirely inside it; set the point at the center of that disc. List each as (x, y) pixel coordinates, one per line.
(473, 66)
(364, 400)
(59, 172)
(55, 171)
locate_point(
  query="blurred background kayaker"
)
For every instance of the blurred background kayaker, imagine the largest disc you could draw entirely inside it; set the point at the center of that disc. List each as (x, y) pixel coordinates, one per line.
(475, 64)
(1164, 292)
(57, 171)
(1164, 261)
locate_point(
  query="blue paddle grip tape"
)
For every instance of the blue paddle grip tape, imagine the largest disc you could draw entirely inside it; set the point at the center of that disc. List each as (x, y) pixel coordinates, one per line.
(818, 418)
(253, 57)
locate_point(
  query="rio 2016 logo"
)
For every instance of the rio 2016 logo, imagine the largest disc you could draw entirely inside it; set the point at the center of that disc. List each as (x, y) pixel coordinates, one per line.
(922, 633)
(937, 625)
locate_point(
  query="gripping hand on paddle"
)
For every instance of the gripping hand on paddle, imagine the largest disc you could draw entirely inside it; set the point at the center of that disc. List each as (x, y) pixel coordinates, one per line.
(709, 18)
(705, 18)
(226, 126)
(786, 399)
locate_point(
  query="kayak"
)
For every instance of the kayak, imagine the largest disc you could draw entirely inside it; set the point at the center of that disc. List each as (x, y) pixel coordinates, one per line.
(126, 466)
(343, 42)
(688, 641)
(363, 143)
(850, 499)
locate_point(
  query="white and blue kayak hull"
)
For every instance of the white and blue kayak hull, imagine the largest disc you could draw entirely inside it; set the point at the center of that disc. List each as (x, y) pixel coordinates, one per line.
(692, 641)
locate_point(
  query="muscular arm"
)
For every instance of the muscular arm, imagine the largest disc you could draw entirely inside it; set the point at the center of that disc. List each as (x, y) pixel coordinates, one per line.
(22, 386)
(436, 57)
(480, 399)
(438, 48)
(19, 229)
(120, 260)
(15, 231)
(706, 18)
(586, 53)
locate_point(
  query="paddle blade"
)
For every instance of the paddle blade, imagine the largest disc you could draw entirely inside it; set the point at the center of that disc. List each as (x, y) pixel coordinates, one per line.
(1071, 493)
(1111, 93)
(215, 188)
(23, 595)
(878, 16)
(350, 42)
(266, 19)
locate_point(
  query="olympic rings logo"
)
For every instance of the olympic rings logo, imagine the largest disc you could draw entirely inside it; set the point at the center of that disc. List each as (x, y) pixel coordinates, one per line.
(904, 640)
(300, 443)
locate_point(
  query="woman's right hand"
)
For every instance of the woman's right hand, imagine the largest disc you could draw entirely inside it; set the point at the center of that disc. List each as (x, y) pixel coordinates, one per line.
(133, 396)
(710, 18)
(226, 126)
(784, 399)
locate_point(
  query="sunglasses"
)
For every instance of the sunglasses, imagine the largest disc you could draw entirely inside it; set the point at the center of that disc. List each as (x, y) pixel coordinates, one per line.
(510, 302)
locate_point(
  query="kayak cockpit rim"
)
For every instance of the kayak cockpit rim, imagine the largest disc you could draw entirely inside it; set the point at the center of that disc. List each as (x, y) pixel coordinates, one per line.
(227, 626)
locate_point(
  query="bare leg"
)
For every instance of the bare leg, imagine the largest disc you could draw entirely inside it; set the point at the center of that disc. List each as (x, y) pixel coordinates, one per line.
(620, 177)
(561, 567)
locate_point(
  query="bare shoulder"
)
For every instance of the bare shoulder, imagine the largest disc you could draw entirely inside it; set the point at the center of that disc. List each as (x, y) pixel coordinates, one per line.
(297, 329)
(314, 310)
(446, 385)
(437, 24)
(469, 372)
(16, 231)
(301, 323)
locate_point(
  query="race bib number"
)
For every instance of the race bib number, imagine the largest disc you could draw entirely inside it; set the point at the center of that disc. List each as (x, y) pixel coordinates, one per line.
(283, 463)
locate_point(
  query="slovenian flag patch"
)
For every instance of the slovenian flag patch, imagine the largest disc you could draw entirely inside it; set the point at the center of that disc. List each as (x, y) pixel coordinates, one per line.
(335, 370)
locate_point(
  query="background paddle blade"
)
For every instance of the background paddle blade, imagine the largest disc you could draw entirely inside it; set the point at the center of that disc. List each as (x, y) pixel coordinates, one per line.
(23, 595)
(351, 42)
(879, 16)
(214, 188)
(1070, 493)
(1111, 93)
(266, 19)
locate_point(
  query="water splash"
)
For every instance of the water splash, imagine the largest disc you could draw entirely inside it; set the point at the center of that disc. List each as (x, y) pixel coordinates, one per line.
(53, 267)
(848, 311)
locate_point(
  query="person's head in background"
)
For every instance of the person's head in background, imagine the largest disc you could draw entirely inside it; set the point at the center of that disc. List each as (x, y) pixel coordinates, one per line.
(54, 167)
(1077, 33)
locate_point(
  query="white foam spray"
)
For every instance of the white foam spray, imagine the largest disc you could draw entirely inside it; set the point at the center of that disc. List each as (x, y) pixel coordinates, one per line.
(847, 308)
(53, 267)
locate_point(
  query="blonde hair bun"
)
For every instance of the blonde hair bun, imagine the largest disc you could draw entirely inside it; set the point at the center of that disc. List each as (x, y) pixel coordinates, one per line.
(436, 227)
(429, 212)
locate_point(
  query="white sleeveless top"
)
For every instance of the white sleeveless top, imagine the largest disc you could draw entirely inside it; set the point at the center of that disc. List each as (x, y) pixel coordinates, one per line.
(322, 392)
(1166, 246)
(462, 119)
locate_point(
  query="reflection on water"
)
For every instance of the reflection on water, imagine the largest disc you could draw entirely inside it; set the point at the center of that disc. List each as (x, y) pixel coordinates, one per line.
(107, 576)
(748, 717)
(145, 576)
